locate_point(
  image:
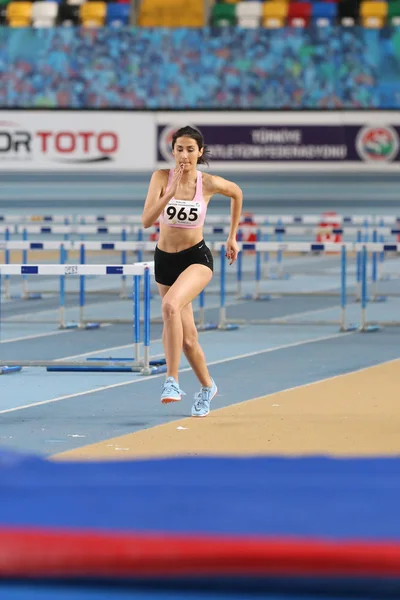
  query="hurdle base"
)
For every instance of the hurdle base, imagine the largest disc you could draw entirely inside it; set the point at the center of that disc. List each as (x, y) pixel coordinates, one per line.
(154, 362)
(91, 369)
(69, 326)
(207, 327)
(276, 276)
(369, 328)
(130, 296)
(26, 297)
(93, 325)
(372, 299)
(84, 325)
(228, 326)
(256, 297)
(349, 328)
(153, 370)
(9, 370)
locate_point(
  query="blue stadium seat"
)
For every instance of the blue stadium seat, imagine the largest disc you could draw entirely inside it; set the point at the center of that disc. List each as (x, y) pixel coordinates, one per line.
(324, 10)
(118, 14)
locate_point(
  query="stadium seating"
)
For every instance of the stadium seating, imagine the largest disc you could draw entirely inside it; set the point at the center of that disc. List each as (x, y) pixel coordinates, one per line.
(44, 14)
(19, 14)
(373, 14)
(246, 14)
(394, 12)
(172, 13)
(300, 13)
(92, 14)
(50, 13)
(274, 14)
(118, 14)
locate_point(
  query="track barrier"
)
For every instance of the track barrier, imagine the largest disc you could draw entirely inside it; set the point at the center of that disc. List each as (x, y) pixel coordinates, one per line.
(137, 271)
(360, 249)
(253, 218)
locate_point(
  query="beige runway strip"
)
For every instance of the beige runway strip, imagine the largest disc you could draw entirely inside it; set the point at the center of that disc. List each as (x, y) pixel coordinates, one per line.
(350, 415)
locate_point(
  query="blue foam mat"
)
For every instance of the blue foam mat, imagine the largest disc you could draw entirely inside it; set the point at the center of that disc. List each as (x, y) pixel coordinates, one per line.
(315, 497)
(308, 498)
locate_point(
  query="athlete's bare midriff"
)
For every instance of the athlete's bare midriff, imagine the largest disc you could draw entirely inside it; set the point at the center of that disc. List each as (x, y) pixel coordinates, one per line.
(176, 240)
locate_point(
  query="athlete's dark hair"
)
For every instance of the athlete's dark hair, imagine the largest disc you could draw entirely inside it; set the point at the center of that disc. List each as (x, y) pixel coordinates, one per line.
(195, 135)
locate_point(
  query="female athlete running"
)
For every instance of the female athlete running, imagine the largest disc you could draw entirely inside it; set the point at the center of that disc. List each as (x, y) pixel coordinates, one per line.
(179, 198)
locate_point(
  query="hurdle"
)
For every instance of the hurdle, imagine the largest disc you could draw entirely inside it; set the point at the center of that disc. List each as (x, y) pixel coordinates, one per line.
(201, 325)
(361, 249)
(258, 219)
(375, 248)
(142, 366)
(72, 246)
(258, 248)
(18, 218)
(81, 248)
(272, 225)
(294, 247)
(264, 232)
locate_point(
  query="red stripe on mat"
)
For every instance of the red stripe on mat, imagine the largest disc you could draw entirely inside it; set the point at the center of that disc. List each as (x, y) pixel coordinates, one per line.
(41, 553)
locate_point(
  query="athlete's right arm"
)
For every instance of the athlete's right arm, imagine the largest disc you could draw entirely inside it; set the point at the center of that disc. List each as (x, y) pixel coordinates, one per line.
(155, 202)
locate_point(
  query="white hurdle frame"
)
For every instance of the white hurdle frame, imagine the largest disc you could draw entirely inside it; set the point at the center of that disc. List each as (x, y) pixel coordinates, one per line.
(301, 247)
(76, 271)
(258, 218)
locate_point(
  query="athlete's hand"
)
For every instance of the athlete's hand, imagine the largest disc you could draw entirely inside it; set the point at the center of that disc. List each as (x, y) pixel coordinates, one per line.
(177, 176)
(232, 250)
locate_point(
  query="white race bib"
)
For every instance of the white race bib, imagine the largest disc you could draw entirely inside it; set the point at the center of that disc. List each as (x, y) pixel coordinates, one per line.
(181, 211)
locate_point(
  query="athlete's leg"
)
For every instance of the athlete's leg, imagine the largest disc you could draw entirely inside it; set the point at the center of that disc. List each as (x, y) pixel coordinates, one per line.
(163, 289)
(188, 285)
(192, 349)
(171, 391)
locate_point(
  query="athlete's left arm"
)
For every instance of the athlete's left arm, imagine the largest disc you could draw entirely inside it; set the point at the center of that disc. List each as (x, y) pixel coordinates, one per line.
(233, 191)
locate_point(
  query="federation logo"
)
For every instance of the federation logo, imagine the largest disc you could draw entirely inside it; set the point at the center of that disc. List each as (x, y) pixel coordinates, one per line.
(377, 144)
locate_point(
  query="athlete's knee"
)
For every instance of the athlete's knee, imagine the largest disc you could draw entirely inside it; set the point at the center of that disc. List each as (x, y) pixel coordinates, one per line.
(170, 308)
(190, 340)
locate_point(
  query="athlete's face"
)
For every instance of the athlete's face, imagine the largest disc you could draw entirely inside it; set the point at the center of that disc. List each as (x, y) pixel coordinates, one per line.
(186, 152)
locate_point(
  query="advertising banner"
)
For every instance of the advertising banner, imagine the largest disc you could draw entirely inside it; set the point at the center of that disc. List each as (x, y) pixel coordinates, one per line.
(98, 141)
(69, 140)
(272, 141)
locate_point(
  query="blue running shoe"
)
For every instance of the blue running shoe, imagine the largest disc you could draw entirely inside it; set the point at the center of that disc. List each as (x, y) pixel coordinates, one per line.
(202, 400)
(171, 391)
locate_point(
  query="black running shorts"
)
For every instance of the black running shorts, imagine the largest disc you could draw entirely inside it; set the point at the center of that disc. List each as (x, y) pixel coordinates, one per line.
(169, 265)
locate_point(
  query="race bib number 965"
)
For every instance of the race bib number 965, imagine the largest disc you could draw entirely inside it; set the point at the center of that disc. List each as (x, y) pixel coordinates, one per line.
(178, 211)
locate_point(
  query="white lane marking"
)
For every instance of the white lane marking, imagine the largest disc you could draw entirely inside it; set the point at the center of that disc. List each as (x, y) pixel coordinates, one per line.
(307, 312)
(139, 378)
(38, 335)
(110, 350)
(26, 317)
(77, 394)
(131, 346)
(30, 316)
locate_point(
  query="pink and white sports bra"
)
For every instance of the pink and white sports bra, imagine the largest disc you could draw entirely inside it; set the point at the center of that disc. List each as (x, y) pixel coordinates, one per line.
(187, 214)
